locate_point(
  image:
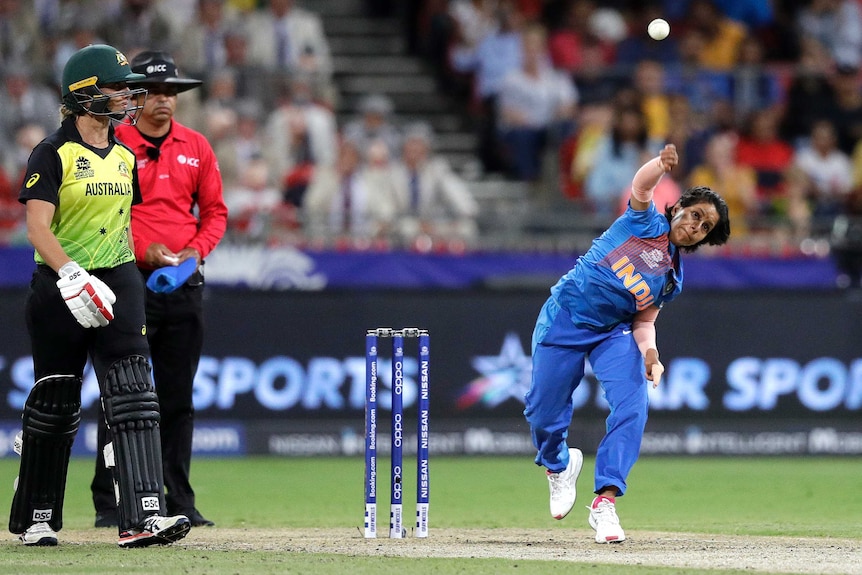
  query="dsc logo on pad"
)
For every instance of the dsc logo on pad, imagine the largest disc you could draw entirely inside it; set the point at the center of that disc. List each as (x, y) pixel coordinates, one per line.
(150, 503)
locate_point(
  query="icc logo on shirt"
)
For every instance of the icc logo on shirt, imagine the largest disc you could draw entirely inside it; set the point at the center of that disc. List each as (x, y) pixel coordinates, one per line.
(193, 162)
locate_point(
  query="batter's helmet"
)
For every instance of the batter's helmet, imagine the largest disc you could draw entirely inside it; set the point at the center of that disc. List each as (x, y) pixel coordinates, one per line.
(88, 69)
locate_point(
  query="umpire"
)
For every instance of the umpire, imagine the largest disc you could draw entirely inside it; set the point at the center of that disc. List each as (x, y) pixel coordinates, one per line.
(179, 222)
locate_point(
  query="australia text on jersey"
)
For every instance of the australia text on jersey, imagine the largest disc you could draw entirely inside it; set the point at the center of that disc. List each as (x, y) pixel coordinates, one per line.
(109, 189)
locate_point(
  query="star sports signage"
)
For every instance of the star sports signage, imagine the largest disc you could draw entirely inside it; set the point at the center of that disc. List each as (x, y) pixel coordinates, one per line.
(756, 371)
(490, 384)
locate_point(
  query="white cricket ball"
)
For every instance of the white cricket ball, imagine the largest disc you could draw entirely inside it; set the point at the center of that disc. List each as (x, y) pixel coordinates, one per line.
(658, 29)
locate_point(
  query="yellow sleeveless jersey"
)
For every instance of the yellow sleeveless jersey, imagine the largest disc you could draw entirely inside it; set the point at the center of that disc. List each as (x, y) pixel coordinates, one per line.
(93, 191)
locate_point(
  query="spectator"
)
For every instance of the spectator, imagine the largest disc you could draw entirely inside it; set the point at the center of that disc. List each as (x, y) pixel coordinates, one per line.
(374, 123)
(608, 27)
(201, 48)
(180, 14)
(738, 183)
(829, 175)
(251, 202)
(432, 27)
(244, 7)
(638, 45)
(700, 85)
(379, 177)
(27, 136)
(761, 149)
(856, 161)
(138, 26)
(79, 32)
(489, 62)
(21, 40)
(55, 17)
(837, 26)
(24, 102)
(537, 108)
(11, 211)
(432, 199)
(566, 42)
(239, 144)
(722, 37)
(845, 110)
(753, 85)
(473, 20)
(619, 154)
(690, 131)
(809, 94)
(342, 201)
(578, 151)
(797, 214)
(221, 100)
(304, 134)
(649, 81)
(756, 15)
(285, 38)
(596, 81)
(248, 77)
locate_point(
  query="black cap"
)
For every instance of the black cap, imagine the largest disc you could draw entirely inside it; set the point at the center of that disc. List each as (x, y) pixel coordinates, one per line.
(847, 69)
(159, 68)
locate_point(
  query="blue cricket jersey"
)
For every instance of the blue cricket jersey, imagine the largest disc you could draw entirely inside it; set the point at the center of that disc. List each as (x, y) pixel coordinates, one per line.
(630, 267)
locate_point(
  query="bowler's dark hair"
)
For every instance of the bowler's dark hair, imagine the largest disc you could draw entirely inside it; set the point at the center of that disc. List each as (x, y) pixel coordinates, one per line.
(718, 235)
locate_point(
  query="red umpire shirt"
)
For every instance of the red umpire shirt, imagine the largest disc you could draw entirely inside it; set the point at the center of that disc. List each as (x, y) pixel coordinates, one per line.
(174, 178)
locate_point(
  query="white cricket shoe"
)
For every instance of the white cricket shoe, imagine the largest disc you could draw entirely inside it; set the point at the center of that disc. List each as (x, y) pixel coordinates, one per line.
(156, 530)
(563, 485)
(603, 518)
(39, 534)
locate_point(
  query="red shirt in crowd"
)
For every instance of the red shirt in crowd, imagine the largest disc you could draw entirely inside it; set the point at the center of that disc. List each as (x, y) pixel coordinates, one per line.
(770, 159)
(175, 178)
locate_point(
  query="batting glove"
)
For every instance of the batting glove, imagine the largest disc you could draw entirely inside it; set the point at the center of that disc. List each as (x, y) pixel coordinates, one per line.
(87, 297)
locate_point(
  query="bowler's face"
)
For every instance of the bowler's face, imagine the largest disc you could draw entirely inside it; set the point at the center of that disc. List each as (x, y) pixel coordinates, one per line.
(690, 225)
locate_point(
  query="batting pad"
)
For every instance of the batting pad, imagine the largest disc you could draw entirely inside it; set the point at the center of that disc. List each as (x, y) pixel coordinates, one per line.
(52, 414)
(132, 414)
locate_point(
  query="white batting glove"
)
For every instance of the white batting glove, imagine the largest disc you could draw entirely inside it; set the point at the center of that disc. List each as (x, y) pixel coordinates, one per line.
(87, 297)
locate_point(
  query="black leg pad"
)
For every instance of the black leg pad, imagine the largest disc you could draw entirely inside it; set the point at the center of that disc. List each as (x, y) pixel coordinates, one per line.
(132, 414)
(52, 414)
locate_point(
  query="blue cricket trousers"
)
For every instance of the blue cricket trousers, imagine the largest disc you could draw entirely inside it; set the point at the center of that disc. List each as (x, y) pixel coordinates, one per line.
(560, 350)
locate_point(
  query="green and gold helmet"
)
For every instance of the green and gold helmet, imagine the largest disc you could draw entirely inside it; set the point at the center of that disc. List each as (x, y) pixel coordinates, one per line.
(90, 68)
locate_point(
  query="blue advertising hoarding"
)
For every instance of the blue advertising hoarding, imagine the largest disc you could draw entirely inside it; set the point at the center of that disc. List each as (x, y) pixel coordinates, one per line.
(283, 372)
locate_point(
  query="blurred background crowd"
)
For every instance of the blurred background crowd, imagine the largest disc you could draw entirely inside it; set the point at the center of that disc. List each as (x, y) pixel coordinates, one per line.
(480, 124)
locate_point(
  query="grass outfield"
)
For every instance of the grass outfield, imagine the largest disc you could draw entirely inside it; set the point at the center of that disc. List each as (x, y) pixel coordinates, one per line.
(789, 497)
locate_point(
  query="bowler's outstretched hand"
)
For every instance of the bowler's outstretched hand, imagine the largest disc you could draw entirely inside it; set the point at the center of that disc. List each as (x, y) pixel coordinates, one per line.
(668, 158)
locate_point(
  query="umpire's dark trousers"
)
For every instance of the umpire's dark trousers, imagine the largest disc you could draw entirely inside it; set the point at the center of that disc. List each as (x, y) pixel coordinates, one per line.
(175, 336)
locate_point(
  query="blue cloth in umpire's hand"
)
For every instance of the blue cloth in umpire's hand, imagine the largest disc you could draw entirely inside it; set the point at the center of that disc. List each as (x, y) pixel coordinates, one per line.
(169, 278)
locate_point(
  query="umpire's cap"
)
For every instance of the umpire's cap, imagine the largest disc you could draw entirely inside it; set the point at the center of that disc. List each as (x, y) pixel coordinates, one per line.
(159, 68)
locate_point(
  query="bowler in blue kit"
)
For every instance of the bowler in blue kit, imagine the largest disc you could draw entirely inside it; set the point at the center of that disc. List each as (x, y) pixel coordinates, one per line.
(605, 309)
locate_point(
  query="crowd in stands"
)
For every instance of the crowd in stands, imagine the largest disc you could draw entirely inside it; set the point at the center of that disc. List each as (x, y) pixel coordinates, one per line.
(761, 97)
